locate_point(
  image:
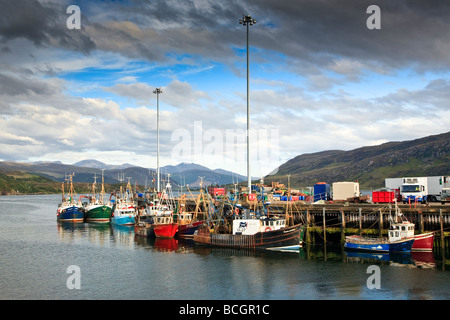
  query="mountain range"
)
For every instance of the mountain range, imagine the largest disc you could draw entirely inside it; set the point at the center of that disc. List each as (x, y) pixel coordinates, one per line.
(182, 174)
(368, 165)
(429, 156)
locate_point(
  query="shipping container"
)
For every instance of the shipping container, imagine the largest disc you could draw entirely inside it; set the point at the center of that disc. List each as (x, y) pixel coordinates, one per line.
(385, 196)
(322, 191)
(344, 190)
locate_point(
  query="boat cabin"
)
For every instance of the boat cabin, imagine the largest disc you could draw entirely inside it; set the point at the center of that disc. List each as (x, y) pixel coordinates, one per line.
(184, 218)
(166, 219)
(126, 210)
(400, 231)
(158, 209)
(252, 226)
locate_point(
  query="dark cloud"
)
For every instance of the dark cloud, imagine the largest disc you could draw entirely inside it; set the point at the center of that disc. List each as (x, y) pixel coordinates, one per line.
(412, 32)
(13, 86)
(311, 33)
(43, 24)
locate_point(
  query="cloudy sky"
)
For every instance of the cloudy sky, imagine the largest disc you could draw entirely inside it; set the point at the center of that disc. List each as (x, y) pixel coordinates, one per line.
(320, 79)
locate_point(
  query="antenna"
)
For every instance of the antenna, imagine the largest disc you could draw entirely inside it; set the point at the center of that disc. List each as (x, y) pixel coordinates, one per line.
(120, 178)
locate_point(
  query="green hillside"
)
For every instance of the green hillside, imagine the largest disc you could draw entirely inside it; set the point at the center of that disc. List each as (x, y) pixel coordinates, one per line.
(429, 156)
(24, 183)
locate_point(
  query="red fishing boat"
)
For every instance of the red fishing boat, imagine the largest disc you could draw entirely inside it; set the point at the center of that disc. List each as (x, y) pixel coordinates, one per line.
(422, 242)
(164, 227)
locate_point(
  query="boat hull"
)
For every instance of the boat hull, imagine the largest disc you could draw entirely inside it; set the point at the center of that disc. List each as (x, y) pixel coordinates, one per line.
(144, 230)
(286, 239)
(72, 214)
(99, 214)
(423, 242)
(126, 219)
(166, 230)
(188, 230)
(369, 245)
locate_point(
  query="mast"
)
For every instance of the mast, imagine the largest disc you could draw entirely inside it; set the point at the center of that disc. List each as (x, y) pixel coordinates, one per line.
(103, 188)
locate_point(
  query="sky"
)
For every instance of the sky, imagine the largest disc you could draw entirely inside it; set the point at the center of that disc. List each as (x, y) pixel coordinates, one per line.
(323, 75)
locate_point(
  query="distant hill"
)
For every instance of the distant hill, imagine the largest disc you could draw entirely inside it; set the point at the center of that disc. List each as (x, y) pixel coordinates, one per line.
(92, 163)
(85, 171)
(193, 174)
(369, 165)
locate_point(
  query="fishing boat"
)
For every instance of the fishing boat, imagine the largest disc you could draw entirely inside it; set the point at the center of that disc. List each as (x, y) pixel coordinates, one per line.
(187, 225)
(164, 225)
(189, 222)
(70, 210)
(265, 233)
(145, 219)
(422, 242)
(401, 238)
(125, 211)
(391, 244)
(98, 210)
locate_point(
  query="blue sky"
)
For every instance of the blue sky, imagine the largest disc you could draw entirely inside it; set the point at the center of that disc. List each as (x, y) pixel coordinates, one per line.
(319, 79)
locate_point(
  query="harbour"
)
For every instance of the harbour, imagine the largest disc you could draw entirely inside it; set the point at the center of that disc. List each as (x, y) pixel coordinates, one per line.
(116, 264)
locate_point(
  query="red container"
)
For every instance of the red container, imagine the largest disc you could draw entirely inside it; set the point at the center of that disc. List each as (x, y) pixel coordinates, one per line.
(383, 196)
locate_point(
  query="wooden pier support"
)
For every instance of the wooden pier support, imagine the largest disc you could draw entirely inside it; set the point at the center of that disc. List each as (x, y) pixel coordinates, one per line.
(324, 227)
(342, 226)
(441, 218)
(380, 223)
(360, 222)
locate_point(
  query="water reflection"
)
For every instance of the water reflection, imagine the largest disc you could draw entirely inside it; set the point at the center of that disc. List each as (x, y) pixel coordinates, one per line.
(124, 236)
(337, 252)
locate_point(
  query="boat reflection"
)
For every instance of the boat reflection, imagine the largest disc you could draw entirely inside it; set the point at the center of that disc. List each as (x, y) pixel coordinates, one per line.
(124, 236)
(165, 244)
(411, 259)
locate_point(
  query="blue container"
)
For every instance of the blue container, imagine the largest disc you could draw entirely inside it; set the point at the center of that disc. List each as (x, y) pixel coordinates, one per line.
(322, 192)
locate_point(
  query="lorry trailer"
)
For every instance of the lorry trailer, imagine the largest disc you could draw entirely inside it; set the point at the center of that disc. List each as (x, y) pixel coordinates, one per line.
(419, 189)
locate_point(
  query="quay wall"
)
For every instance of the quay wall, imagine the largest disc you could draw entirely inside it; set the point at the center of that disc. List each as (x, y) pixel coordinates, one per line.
(340, 219)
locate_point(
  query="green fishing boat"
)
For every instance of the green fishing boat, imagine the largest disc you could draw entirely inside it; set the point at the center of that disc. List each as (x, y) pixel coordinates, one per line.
(98, 209)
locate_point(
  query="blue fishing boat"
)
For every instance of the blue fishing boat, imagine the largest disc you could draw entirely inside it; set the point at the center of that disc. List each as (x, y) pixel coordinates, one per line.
(70, 210)
(400, 238)
(125, 210)
(368, 244)
(70, 213)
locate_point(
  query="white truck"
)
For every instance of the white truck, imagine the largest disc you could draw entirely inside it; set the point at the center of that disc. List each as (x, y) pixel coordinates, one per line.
(420, 189)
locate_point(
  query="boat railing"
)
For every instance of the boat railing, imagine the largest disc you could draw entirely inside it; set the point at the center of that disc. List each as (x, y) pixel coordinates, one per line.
(366, 240)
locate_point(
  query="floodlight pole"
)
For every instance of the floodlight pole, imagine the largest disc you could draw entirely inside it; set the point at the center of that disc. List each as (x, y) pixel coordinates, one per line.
(157, 91)
(248, 21)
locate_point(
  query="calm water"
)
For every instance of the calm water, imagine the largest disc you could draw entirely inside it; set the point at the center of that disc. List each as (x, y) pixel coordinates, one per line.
(35, 252)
